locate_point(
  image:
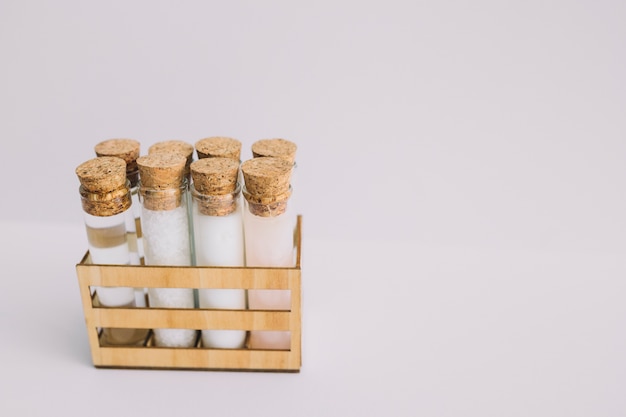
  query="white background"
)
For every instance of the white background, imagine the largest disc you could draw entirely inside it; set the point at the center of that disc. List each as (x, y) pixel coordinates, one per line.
(461, 175)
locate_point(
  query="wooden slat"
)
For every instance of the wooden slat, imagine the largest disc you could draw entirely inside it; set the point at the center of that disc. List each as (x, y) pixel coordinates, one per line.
(295, 324)
(196, 358)
(159, 318)
(186, 277)
(92, 331)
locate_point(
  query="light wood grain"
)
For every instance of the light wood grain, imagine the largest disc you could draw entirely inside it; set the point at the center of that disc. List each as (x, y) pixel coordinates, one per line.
(148, 356)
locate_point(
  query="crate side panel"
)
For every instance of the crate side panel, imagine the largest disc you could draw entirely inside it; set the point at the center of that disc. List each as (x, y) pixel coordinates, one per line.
(85, 276)
(295, 324)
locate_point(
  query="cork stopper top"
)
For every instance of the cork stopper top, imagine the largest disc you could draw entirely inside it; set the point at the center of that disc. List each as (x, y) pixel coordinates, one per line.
(266, 179)
(279, 148)
(219, 147)
(173, 146)
(127, 149)
(161, 170)
(102, 174)
(215, 176)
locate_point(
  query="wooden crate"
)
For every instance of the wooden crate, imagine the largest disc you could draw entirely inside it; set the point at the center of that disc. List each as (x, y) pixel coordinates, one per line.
(148, 356)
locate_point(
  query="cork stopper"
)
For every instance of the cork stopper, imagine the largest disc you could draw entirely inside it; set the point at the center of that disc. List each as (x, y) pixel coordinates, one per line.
(278, 148)
(127, 149)
(215, 187)
(218, 147)
(161, 170)
(102, 175)
(174, 146)
(267, 187)
(162, 176)
(103, 186)
(168, 146)
(215, 176)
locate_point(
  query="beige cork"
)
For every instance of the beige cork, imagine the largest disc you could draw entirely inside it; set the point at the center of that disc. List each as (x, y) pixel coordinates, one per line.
(161, 170)
(218, 147)
(162, 176)
(215, 185)
(103, 188)
(267, 187)
(215, 176)
(279, 148)
(102, 175)
(127, 149)
(175, 146)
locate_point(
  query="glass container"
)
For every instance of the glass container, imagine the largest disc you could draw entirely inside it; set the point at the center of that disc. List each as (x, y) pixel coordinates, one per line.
(106, 202)
(166, 235)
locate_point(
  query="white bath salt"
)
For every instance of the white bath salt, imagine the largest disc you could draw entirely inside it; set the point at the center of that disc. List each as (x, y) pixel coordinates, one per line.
(218, 239)
(166, 242)
(223, 339)
(166, 236)
(172, 298)
(116, 296)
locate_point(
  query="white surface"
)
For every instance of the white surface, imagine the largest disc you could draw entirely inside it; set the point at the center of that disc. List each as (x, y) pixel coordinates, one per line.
(476, 147)
(416, 330)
